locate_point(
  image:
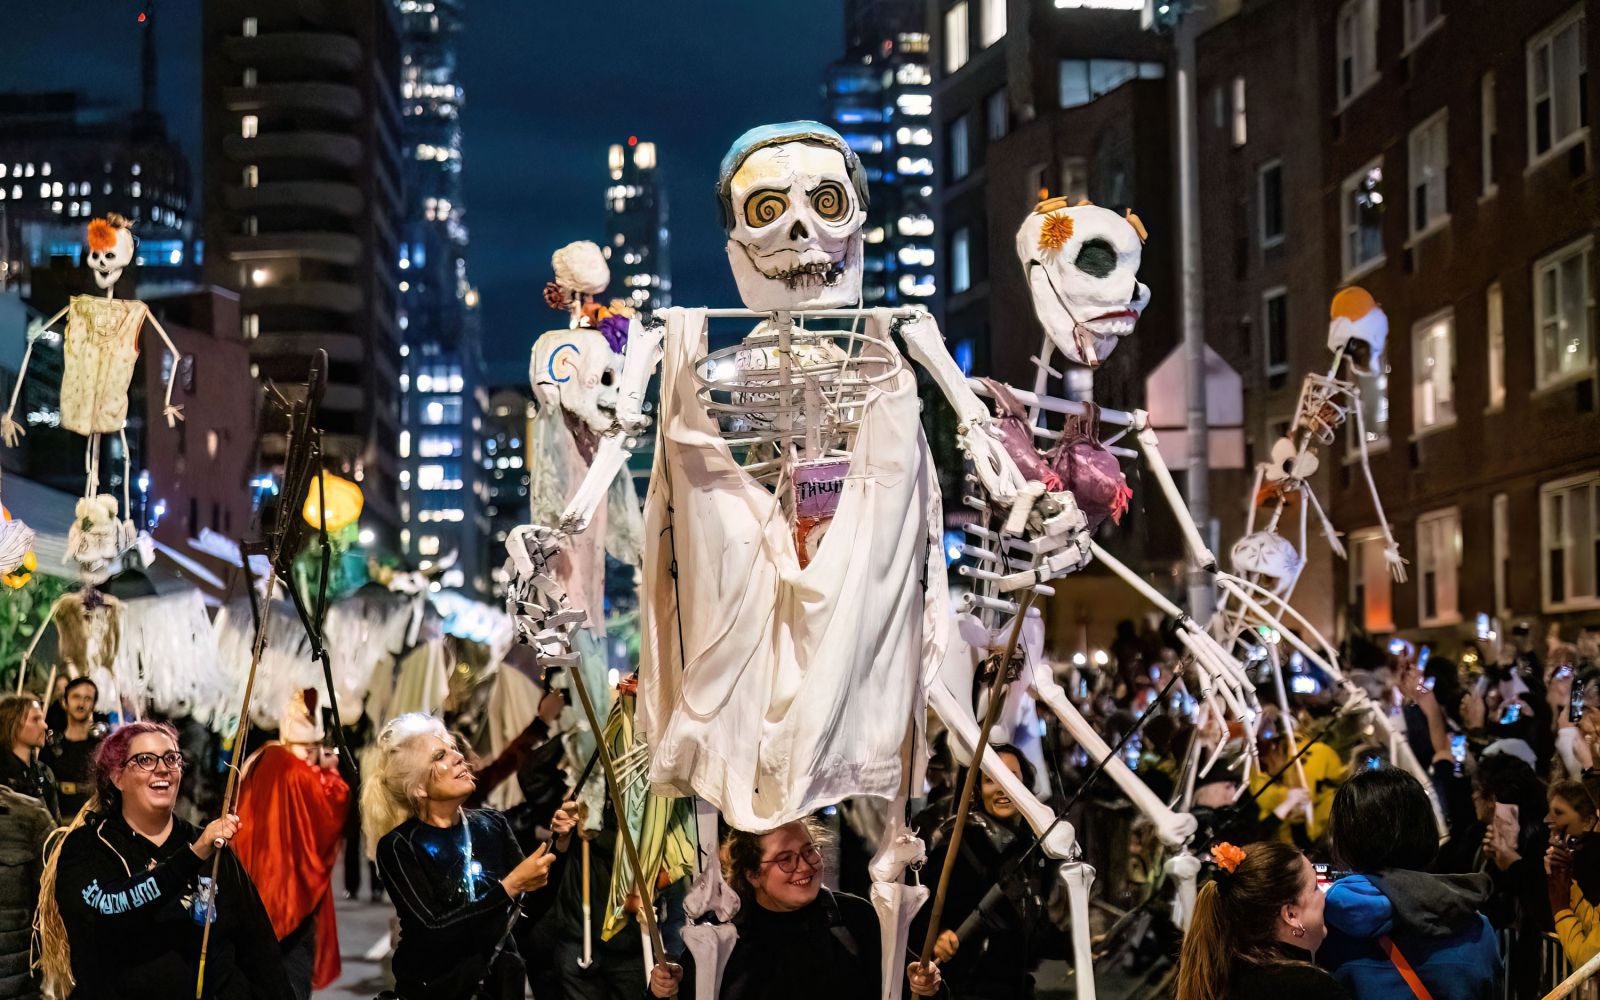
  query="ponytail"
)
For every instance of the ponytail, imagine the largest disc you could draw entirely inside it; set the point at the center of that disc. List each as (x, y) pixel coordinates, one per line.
(1204, 963)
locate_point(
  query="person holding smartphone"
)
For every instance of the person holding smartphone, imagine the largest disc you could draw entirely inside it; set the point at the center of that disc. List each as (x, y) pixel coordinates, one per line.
(1508, 800)
(1572, 863)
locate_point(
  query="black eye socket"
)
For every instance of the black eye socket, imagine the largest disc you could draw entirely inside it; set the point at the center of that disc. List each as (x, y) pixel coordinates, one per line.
(607, 377)
(1097, 258)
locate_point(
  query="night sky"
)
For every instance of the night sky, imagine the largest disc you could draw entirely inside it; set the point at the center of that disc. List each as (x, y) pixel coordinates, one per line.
(550, 85)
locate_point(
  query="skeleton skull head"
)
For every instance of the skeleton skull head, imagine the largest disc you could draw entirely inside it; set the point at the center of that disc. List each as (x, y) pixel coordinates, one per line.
(110, 249)
(581, 267)
(794, 198)
(1082, 265)
(1358, 326)
(1270, 557)
(577, 371)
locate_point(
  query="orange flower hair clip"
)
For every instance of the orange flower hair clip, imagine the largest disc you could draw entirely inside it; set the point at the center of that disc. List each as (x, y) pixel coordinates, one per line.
(1055, 231)
(1227, 857)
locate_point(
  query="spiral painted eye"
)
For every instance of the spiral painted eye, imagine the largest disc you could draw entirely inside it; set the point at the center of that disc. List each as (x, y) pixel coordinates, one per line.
(831, 201)
(764, 207)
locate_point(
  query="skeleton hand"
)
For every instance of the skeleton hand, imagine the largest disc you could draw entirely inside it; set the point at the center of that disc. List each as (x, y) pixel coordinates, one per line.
(1397, 565)
(532, 547)
(999, 475)
(10, 431)
(173, 415)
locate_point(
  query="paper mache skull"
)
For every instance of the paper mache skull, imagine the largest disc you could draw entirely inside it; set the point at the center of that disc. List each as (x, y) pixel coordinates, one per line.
(97, 538)
(111, 247)
(1358, 325)
(581, 267)
(794, 199)
(577, 371)
(1271, 557)
(16, 542)
(1082, 266)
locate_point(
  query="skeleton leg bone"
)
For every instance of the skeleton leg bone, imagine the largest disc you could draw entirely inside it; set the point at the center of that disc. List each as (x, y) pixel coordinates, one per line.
(1079, 878)
(1199, 553)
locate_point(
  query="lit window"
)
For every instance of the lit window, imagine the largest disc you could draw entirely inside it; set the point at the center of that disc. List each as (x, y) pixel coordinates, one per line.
(1428, 160)
(915, 105)
(1564, 313)
(960, 260)
(250, 27)
(1083, 80)
(1438, 558)
(252, 176)
(1241, 130)
(914, 165)
(1433, 372)
(956, 45)
(1569, 530)
(405, 444)
(249, 77)
(1357, 67)
(1502, 554)
(250, 325)
(248, 126)
(992, 26)
(1490, 132)
(1557, 79)
(1422, 16)
(428, 545)
(1074, 178)
(44, 170)
(959, 148)
(1496, 323)
(1269, 201)
(1275, 325)
(1361, 211)
(1371, 586)
(1374, 410)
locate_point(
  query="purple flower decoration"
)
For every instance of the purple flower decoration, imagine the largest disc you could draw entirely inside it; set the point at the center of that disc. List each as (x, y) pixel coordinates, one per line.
(615, 329)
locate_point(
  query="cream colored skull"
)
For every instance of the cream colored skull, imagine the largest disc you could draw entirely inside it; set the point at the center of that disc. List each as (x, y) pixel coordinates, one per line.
(1358, 326)
(795, 239)
(1082, 266)
(577, 371)
(1270, 557)
(107, 263)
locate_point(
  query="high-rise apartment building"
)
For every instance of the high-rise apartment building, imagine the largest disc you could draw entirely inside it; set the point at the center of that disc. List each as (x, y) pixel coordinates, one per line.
(638, 243)
(879, 97)
(301, 133)
(443, 403)
(505, 463)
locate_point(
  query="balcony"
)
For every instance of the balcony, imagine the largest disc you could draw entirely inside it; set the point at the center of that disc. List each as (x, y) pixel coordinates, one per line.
(296, 48)
(332, 296)
(340, 346)
(316, 147)
(333, 99)
(331, 248)
(331, 196)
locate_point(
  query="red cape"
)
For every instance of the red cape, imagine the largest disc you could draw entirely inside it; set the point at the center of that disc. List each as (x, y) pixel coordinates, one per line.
(291, 826)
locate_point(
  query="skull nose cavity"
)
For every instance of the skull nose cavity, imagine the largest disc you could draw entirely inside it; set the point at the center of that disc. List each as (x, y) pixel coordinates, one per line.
(798, 231)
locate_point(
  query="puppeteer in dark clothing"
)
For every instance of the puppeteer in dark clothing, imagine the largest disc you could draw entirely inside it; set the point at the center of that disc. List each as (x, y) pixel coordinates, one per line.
(1291, 977)
(996, 904)
(32, 778)
(829, 949)
(454, 913)
(68, 761)
(135, 914)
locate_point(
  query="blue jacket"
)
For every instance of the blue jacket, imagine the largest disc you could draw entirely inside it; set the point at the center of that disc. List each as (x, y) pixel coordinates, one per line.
(1433, 920)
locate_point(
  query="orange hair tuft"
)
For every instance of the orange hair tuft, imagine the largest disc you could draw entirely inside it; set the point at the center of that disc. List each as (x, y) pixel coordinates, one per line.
(1352, 303)
(1055, 231)
(102, 235)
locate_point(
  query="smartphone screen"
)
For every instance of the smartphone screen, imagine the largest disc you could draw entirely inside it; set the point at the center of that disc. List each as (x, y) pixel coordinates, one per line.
(1396, 647)
(1505, 826)
(1512, 713)
(1458, 748)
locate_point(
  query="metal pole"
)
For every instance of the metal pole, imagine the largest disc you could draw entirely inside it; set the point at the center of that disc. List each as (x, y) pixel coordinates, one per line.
(1201, 598)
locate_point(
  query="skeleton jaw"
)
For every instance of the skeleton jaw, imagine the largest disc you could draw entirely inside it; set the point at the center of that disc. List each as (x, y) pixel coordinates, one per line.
(810, 268)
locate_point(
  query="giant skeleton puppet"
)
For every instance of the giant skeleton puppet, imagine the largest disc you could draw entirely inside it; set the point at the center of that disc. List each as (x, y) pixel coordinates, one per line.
(794, 596)
(1267, 566)
(1081, 263)
(101, 347)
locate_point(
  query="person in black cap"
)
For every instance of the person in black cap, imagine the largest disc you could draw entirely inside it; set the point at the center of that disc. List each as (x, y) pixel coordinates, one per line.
(69, 750)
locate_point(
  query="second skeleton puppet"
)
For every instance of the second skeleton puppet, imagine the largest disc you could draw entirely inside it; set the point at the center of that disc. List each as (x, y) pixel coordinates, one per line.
(101, 346)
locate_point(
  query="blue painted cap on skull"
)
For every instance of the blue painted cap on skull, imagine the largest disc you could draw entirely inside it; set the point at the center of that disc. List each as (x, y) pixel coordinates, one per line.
(763, 136)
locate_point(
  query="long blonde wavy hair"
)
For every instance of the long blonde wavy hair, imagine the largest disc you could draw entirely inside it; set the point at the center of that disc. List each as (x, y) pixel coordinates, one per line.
(392, 771)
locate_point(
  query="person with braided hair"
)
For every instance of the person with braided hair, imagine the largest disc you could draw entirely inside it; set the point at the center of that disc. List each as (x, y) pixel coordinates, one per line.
(1255, 926)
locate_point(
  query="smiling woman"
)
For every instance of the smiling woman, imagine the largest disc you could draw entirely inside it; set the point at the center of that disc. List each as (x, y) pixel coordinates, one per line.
(124, 898)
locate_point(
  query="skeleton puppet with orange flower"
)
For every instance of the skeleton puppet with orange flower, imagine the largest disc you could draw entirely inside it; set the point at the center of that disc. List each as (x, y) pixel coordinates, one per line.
(101, 345)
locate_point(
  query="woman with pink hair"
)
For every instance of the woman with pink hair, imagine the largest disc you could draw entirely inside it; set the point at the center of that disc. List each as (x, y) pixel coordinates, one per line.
(124, 899)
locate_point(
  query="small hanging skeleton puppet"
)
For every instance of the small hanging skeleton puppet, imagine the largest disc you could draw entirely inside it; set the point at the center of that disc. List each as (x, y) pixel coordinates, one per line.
(1357, 333)
(101, 347)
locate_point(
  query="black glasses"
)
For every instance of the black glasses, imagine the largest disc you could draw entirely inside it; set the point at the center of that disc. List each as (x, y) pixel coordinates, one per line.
(172, 760)
(788, 861)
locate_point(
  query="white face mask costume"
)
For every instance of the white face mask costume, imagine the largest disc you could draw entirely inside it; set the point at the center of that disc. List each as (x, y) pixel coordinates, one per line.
(107, 262)
(793, 204)
(1358, 327)
(1270, 556)
(1082, 265)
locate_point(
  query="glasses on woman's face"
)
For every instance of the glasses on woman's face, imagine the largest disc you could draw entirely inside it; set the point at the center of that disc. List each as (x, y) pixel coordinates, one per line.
(788, 861)
(172, 760)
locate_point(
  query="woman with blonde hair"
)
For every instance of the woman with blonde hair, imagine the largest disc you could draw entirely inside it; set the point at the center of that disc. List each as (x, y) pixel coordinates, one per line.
(455, 874)
(124, 899)
(1254, 928)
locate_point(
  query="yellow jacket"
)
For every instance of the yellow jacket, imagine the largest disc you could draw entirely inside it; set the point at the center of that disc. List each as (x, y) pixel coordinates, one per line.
(1324, 770)
(1578, 927)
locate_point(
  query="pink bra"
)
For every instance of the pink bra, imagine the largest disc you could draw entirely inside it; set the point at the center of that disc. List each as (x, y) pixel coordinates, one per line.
(1078, 462)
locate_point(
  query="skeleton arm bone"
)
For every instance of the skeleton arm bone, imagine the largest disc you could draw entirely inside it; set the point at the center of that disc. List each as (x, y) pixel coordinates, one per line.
(639, 361)
(172, 413)
(1198, 551)
(1391, 549)
(10, 430)
(995, 468)
(609, 458)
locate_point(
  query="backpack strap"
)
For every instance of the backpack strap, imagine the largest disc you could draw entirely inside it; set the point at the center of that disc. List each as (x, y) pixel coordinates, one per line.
(1404, 968)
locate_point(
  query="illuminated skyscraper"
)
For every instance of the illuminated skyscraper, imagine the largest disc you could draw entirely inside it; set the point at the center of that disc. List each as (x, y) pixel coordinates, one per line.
(637, 241)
